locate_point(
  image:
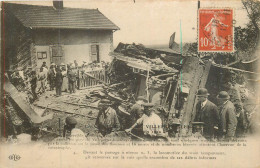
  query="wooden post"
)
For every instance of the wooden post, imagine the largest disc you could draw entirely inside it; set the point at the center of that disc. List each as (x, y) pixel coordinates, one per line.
(194, 75)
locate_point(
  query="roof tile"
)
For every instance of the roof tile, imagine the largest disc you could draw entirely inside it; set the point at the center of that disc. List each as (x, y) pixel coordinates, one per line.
(68, 18)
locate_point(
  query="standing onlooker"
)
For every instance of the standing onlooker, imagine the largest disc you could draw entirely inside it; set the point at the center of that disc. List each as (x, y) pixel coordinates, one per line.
(65, 84)
(228, 119)
(45, 70)
(72, 79)
(58, 79)
(75, 64)
(52, 74)
(44, 65)
(42, 78)
(206, 112)
(33, 82)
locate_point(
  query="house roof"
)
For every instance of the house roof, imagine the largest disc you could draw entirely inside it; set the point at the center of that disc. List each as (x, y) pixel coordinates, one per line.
(68, 18)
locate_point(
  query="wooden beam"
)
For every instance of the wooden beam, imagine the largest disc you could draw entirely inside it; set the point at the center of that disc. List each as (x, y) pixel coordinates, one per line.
(77, 104)
(66, 111)
(15, 98)
(234, 69)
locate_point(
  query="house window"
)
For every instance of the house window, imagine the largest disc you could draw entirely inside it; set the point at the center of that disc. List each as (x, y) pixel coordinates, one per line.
(41, 55)
(57, 51)
(95, 53)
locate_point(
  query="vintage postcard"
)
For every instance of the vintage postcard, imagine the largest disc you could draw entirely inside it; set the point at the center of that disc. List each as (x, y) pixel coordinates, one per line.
(130, 83)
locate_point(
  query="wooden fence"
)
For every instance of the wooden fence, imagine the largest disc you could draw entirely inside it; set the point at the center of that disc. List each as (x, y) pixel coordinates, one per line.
(92, 77)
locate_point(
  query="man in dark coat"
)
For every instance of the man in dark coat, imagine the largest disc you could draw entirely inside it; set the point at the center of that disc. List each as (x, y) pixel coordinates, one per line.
(206, 112)
(33, 82)
(228, 119)
(52, 74)
(107, 119)
(58, 82)
(72, 79)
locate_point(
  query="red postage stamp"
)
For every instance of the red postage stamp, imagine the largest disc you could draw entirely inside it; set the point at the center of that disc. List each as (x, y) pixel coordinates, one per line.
(215, 30)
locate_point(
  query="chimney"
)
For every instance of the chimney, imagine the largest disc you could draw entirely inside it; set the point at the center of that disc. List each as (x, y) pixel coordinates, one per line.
(58, 4)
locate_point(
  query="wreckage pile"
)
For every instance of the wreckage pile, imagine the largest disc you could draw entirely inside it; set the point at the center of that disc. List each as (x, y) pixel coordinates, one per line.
(135, 71)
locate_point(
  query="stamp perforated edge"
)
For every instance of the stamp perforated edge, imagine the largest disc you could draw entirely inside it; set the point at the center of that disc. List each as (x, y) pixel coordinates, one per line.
(233, 29)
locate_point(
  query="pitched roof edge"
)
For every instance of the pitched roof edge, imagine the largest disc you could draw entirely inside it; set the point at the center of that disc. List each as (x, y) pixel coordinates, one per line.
(28, 26)
(109, 20)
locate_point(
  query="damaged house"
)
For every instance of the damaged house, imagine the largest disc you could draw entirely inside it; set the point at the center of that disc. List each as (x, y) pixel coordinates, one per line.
(171, 80)
(165, 78)
(55, 34)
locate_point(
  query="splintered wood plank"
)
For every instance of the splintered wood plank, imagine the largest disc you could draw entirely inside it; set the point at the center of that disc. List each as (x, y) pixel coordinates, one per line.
(21, 103)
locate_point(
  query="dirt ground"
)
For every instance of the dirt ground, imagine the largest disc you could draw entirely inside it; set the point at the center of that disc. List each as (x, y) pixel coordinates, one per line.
(85, 116)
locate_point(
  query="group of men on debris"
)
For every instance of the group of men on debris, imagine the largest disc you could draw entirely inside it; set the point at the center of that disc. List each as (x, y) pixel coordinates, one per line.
(143, 121)
(219, 122)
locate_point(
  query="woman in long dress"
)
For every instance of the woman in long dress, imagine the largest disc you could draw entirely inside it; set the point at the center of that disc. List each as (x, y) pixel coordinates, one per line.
(64, 87)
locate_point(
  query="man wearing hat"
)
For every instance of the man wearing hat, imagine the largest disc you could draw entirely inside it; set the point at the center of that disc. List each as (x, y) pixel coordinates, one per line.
(228, 119)
(136, 112)
(58, 82)
(52, 74)
(33, 83)
(107, 120)
(206, 112)
(44, 65)
(71, 132)
(152, 123)
(72, 77)
(42, 78)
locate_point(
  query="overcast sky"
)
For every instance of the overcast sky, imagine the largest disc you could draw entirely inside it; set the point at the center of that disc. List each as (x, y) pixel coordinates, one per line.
(152, 22)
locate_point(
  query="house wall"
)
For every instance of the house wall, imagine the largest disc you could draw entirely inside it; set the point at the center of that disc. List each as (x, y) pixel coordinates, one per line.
(17, 40)
(76, 44)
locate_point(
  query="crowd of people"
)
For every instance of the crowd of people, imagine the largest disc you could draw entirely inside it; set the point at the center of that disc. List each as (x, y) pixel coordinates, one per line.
(62, 78)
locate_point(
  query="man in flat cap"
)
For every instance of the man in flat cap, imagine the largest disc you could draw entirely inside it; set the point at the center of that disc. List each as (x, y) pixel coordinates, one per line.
(107, 120)
(152, 123)
(206, 112)
(228, 119)
(71, 132)
(136, 112)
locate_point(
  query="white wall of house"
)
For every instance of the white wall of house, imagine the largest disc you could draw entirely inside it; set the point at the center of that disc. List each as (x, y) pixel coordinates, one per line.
(83, 53)
(40, 61)
(76, 44)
